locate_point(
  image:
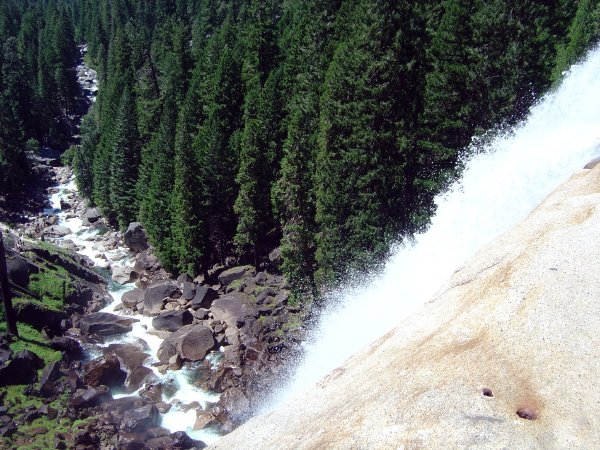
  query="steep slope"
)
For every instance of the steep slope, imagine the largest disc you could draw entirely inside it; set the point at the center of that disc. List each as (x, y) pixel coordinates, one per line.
(507, 355)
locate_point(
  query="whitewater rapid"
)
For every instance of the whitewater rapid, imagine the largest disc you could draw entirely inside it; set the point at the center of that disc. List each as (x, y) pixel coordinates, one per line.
(500, 186)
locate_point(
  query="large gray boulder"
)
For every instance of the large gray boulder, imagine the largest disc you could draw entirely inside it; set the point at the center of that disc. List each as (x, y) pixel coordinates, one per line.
(155, 295)
(56, 231)
(104, 371)
(191, 342)
(140, 419)
(135, 237)
(91, 215)
(19, 270)
(21, 369)
(188, 290)
(131, 359)
(172, 320)
(146, 262)
(105, 324)
(204, 297)
(91, 396)
(131, 298)
(233, 310)
(235, 273)
(123, 275)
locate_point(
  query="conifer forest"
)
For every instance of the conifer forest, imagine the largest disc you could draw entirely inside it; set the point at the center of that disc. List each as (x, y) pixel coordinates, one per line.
(231, 128)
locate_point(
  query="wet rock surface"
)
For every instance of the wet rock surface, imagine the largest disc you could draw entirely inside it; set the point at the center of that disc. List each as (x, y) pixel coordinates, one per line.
(104, 324)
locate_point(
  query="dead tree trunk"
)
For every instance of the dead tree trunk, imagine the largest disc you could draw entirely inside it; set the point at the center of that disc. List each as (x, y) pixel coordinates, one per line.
(9, 312)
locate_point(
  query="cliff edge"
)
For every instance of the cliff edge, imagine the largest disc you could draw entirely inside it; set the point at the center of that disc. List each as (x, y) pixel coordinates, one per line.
(507, 355)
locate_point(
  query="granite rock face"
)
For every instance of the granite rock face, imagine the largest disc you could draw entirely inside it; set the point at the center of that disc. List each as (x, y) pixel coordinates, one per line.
(507, 355)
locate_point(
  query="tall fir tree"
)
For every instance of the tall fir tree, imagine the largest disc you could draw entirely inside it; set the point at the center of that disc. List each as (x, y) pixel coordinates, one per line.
(155, 206)
(83, 160)
(125, 160)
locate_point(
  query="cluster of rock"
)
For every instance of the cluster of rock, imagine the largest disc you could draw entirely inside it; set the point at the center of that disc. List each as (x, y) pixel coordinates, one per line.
(83, 289)
(125, 423)
(237, 313)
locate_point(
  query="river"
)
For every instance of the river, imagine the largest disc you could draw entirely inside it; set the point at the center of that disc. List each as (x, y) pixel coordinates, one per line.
(89, 242)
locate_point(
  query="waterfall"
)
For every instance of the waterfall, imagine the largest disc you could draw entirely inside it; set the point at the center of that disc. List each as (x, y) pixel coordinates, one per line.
(500, 186)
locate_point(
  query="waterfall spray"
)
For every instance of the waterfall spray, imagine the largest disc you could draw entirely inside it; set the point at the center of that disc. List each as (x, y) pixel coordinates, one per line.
(500, 186)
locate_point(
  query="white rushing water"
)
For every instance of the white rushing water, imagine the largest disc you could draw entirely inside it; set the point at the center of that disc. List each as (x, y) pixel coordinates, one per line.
(500, 186)
(182, 389)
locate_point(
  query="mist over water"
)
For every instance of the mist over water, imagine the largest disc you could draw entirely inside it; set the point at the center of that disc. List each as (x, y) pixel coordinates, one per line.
(500, 186)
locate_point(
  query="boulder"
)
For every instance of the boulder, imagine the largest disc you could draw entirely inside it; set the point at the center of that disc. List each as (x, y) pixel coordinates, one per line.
(204, 419)
(50, 374)
(131, 298)
(188, 290)
(130, 356)
(39, 315)
(235, 273)
(91, 215)
(19, 269)
(191, 342)
(92, 396)
(183, 278)
(80, 295)
(51, 219)
(155, 295)
(22, 369)
(204, 297)
(146, 262)
(177, 440)
(104, 370)
(56, 231)
(138, 377)
(140, 419)
(70, 348)
(122, 404)
(105, 324)
(131, 441)
(135, 237)
(233, 310)
(123, 275)
(235, 403)
(172, 320)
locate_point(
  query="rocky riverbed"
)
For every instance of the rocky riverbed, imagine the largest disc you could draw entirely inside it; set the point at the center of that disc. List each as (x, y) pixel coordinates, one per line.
(220, 341)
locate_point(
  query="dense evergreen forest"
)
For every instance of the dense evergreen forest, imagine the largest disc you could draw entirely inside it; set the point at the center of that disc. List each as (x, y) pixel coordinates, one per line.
(37, 83)
(233, 127)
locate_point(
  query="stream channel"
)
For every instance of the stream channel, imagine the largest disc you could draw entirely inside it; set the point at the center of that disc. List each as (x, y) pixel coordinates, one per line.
(179, 389)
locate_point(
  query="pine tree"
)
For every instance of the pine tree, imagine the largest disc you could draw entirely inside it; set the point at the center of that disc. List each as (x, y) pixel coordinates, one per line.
(188, 227)
(83, 160)
(155, 206)
(255, 175)
(13, 163)
(124, 162)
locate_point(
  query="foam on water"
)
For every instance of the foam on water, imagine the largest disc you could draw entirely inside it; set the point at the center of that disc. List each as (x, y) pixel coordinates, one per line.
(500, 186)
